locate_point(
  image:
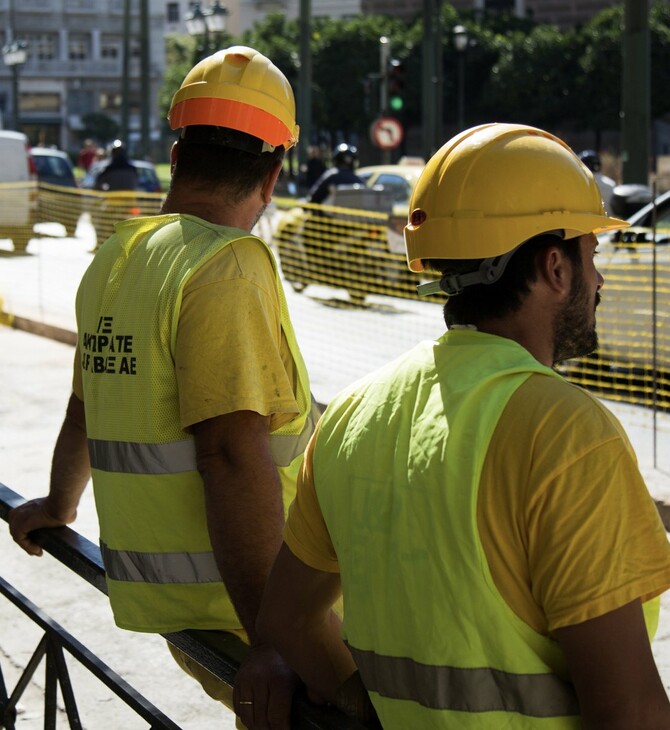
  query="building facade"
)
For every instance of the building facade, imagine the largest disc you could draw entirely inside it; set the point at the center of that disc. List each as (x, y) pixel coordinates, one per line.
(243, 14)
(74, 66)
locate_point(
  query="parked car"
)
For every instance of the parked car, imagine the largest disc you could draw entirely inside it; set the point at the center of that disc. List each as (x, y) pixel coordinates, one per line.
(55, 172)
(53, 167)
(350, 244)
(18, 189)
(636, 295)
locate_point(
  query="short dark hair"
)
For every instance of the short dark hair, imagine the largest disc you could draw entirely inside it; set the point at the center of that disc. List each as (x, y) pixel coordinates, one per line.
(491, 301)
(236, 171)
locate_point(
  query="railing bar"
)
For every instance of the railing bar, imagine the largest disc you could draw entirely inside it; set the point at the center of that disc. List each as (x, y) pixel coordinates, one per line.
(50, 696)
(27, 674)
(83, 557)
(7, 713)
(84, 656)
(56, 651)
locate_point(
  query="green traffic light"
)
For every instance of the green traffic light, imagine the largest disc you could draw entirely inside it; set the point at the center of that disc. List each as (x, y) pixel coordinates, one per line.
(396, 103)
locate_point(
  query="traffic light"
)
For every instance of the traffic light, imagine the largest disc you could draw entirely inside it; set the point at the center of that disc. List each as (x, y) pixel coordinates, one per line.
(396, 85)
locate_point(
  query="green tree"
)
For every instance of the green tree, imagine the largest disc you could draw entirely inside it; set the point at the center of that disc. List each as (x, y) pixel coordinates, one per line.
(99, 126)
(179, 50)
(534, 80)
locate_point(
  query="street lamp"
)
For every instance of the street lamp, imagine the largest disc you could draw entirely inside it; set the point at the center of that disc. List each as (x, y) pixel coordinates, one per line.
(15, 54)
(461, 42)
(200, 23)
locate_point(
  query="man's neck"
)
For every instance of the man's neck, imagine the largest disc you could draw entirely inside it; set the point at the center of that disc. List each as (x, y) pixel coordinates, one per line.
(210, 208)
(534, 337)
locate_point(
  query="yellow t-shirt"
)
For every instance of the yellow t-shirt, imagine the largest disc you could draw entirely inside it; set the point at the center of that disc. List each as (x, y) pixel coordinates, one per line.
(231, 353)
(567, 524)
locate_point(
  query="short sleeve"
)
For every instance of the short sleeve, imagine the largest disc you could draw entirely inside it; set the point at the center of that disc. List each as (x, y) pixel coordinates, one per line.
(567, 523)
(231, 353)
(305, 532)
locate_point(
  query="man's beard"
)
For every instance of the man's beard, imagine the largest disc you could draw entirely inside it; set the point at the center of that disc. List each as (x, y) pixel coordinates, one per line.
(574, 334)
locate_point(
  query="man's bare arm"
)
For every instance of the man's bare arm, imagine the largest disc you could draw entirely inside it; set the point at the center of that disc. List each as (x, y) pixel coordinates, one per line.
(614, 673)
(70, 472)
(243, 497)
(245, 517)
(296, 617)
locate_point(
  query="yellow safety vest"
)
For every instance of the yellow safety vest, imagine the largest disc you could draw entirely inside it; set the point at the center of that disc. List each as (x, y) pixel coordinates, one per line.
(161, 571)
(397, 466)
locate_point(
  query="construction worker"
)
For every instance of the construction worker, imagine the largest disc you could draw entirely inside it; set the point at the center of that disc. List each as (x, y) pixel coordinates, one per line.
(499, 555)
(342, 172)
(191, 405)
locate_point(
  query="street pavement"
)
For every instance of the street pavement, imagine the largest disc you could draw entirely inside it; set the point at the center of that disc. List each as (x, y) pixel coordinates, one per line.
(35, 373)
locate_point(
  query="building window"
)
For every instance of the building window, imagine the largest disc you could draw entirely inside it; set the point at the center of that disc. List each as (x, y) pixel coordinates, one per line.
(110, 102)
(110, 51)
(172, 10)
(40, 102)
(42, 47)
(78, 47)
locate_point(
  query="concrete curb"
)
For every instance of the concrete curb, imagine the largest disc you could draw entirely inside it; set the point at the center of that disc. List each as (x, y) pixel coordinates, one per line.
(50, 331)
(70, 338)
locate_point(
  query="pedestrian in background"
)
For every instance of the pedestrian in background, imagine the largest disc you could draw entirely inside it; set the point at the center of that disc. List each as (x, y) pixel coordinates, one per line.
(191, 405)
(498, 553)
(345, 157)
(119, 173)
(605, 184)
(87, 154)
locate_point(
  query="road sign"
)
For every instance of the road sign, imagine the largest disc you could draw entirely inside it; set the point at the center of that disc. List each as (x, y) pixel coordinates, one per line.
(386, 133)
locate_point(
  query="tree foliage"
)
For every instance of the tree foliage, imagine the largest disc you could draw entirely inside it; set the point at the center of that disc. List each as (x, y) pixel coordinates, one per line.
(515, 69)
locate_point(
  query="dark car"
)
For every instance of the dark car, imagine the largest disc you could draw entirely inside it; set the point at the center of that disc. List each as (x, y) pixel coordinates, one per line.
(107, 208)
(147, 178)
(58, 199)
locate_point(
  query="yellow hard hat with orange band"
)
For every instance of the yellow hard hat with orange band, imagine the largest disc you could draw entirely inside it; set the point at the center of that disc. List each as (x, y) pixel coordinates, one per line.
(238, 88)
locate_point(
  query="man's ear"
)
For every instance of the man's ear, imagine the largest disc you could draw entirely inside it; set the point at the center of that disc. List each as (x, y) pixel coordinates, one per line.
(554, 269)
(174, 153)
(270, 182)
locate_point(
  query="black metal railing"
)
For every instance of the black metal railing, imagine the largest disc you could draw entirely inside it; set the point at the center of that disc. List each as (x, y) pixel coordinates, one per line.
(83, 557)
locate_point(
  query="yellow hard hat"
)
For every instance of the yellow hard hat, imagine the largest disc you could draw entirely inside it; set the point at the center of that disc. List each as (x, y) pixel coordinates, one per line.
(493, 187)
(238, 88)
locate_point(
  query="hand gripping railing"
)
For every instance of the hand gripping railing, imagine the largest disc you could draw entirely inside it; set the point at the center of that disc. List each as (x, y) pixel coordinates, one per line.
(83, 557)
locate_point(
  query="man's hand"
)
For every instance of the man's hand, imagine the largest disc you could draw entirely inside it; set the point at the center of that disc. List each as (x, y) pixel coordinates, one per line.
(31, 516)
(264, 689)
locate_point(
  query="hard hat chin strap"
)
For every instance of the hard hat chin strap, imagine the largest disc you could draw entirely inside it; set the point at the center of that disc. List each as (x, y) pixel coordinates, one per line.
(489, 271)
(452, 283)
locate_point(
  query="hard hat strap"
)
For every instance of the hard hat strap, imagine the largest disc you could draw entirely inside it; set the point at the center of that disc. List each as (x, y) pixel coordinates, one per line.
(488, 272)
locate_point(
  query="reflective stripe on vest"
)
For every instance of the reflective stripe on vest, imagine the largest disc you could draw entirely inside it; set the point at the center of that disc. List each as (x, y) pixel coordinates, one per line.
(167, 568)
(465, 690)
(287, 447)
(132, 458)
(179, 456)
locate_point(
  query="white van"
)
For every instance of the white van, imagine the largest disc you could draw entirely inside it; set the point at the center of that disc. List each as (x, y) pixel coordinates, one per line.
(18, 189)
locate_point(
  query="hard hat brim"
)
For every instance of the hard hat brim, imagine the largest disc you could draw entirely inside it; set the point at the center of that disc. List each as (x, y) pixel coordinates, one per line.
(486, 231)
(237, 115)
